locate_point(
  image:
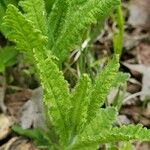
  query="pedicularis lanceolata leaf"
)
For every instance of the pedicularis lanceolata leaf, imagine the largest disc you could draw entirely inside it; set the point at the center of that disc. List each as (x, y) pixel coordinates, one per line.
(44, 33)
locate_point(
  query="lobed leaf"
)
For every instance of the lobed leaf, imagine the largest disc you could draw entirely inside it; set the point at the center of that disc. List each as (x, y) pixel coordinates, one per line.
(56, 20)
(19, 31)
(79, 102)
(33, 43)
(75, 25)
(120, 79)
(36, 13)
(57, 97)
(3, 7)
(101, 123)
(124, 133)
(102, 87)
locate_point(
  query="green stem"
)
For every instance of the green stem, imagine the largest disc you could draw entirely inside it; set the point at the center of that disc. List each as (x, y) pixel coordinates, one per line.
(118, 38)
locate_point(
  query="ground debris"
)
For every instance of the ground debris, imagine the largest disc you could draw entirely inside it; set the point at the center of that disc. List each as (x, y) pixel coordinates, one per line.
(139, 13)
(5, 124)
(32, 113)
(2, 94)
(18, 143)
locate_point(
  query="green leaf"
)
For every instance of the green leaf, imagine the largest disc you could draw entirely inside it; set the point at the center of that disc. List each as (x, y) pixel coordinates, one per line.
(57, 97)
(39, 136)
(120, 79)
(3, 7)
(2, 12)
(56, 20)
(118, 37)
(8, 57)
(101, 123)
(124, 133)
(49, 5)
(79, 102)
(75, 24)
(102, 87)
(56, 91)
(75, 5)
(5, 3)
(7, 53)
(130, 132)
(20, 32)
(36, 13)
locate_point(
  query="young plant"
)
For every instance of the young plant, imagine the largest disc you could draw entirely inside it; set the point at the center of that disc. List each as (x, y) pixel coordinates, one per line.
(76, 119)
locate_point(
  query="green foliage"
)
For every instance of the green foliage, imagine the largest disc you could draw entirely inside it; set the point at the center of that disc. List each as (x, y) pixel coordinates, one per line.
(120, 84)
(21, 33)
(124, 133)
(75, 24)
(37, 15)
(102, 87)
(76, 118)
(119, 35)
(40, 137)
(57, 97)
(121, 79)
(49, 5)
(63, 26)
(102, 122)
(79, 102)
(7, 57)
(3, 7)
(56, 20)
(7, 54)
(2, 13)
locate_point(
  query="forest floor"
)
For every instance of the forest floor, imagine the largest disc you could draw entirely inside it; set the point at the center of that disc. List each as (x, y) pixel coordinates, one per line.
(17, 96)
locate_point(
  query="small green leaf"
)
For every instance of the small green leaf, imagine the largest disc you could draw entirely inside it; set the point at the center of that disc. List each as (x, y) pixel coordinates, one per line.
(102, 87)
(36, 13)
(120, 79)
(7, 54)
(39, 136)
(79, 100)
